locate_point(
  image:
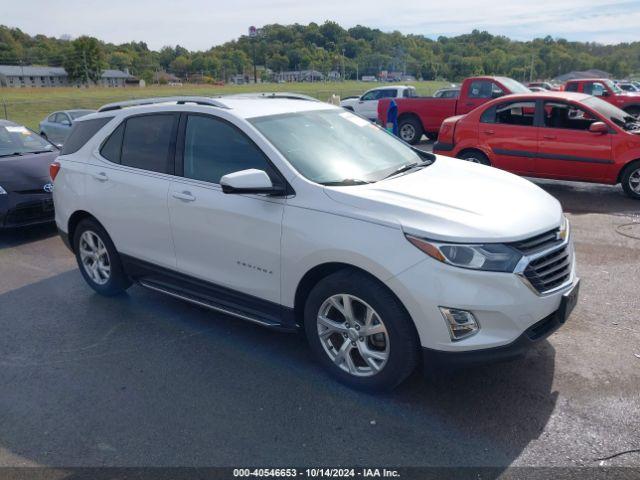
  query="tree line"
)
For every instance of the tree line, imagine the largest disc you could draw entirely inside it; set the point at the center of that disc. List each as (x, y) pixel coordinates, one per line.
(355, 51)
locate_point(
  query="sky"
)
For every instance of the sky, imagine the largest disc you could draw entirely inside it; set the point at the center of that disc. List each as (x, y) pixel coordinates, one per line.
(201, 24)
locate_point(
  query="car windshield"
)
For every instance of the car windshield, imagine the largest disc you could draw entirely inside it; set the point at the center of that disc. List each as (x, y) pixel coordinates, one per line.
(79, 113)
(513, 85)
(19, 140)
(334, 147)
(613, 113)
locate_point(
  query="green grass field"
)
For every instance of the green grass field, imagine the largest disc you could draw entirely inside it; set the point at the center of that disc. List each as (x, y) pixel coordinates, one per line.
(28, 106)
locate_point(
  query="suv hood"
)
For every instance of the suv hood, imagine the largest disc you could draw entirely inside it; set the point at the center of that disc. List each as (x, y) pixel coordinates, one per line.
(455, 200)
(26, 172)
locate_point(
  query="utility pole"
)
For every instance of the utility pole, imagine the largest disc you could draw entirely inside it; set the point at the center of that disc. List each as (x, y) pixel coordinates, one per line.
(531, 71)
(343, 64)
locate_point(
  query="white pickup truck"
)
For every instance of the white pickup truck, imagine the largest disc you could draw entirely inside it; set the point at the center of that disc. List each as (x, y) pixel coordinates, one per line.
(367, 104)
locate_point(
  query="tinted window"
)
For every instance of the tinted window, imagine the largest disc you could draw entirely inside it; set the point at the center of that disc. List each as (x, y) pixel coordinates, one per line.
(148, 142)
(484, 89)
(571, 87)
(391, 93)
(563, 115)
(112, 147)
(515, 113)
(81, 133)
(213, 148)
(374, 95)
(489, 115)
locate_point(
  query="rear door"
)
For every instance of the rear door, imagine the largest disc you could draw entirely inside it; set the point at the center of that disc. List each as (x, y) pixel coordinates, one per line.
(508, 130)
(567, 149)
(127, 186)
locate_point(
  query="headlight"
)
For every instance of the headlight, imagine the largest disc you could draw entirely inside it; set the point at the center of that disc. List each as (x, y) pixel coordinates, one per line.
(2, 191)
(492, 257)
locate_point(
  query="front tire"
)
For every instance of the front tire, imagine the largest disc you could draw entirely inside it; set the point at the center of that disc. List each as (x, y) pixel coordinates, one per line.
(410, 130)
(360, 332)
(98, 259)
(631, 180)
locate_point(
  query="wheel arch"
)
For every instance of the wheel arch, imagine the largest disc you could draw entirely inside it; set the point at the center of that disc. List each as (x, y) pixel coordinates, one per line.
(624, 167)
(311, 278)
(75, 218)
(473, 149)
(406, 115)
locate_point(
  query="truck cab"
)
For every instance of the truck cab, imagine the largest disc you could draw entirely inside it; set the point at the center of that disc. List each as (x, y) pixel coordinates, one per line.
(606, 90)
(423, 115)
(367, 104)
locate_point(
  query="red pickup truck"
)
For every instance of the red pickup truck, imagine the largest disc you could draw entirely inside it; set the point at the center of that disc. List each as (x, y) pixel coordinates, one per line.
(424, 115)
(608, 91)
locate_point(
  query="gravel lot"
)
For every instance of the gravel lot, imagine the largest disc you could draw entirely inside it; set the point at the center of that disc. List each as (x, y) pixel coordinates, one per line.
(144, 379)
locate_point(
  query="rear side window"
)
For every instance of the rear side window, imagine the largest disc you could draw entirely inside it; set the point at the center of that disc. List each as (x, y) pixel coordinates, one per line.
(149, 142)
(81, 133)
(571, 87)
(516, 113)
(113, 146)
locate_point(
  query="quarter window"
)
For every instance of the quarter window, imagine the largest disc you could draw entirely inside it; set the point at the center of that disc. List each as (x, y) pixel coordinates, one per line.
(148, 142)
(213, 148)
(82, 132)
(112, 147)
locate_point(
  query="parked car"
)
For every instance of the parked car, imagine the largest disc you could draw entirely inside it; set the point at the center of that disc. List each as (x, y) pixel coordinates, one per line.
(424, 115)
(559, 135)
(367, 104)
(56, 126)
(538, 89)
(447, 93)
(608, 91)
(542, 85)
(628, 87)
(284, 212)
(25, 186)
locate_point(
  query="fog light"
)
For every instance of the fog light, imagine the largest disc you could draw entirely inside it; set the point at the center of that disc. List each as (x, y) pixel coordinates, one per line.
(461, 323)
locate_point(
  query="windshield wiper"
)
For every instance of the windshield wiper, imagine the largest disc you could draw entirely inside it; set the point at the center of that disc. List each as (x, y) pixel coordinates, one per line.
(40, 151)
(345, 182)
(11, 154)
(407, 167)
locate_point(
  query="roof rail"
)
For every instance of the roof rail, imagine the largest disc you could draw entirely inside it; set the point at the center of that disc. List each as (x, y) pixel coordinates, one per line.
(150, 101)
(282, 95)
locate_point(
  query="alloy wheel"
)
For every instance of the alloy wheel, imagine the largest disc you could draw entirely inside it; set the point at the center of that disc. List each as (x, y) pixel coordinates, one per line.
(634, 181)
(94, 257)
(353, 335)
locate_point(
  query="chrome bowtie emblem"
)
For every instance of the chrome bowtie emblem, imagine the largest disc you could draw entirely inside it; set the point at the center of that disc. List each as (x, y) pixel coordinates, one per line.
(48, 187)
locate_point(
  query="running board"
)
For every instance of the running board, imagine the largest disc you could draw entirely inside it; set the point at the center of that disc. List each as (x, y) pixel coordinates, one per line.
(206, 303)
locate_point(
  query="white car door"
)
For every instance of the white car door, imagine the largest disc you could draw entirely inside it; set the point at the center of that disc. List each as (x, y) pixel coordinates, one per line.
(230, 240)
(127, 186)
(367, 106)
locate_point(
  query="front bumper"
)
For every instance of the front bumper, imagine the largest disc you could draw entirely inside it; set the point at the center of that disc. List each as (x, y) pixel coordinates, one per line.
(24, 209)
(534, 334)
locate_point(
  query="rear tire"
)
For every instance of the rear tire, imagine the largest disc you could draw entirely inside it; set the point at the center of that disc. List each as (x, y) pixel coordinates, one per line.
(410, 130)
(630, 180)
(375, 347)
(474, 156)
(98, 259)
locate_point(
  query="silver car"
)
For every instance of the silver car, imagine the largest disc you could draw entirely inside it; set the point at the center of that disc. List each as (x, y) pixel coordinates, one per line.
(56, 127)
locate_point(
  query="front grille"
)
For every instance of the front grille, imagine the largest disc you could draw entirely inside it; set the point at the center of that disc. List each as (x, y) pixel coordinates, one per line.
(30, 212)
(538, 243)
(549, 270)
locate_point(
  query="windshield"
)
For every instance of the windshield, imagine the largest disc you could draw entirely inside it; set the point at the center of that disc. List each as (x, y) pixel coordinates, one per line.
(613, 113)
(18, 140)
(613, 86)
(79, 113)
(513, 85)
(336, 147)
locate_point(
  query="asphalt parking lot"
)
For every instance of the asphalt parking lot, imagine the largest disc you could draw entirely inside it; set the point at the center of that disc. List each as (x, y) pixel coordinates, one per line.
(144, 379)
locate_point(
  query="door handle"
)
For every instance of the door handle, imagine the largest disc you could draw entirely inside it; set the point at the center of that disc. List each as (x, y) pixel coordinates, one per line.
(470, 104)
(549, 137)
(101, 176)
(184, 196)
(489, 132)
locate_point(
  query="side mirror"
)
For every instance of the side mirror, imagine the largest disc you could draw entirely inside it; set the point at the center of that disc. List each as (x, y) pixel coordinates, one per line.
(599, 127)
(605, 93)
(249, 181)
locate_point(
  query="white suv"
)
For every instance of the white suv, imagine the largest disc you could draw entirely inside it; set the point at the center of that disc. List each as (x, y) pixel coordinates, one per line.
(296, 214)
